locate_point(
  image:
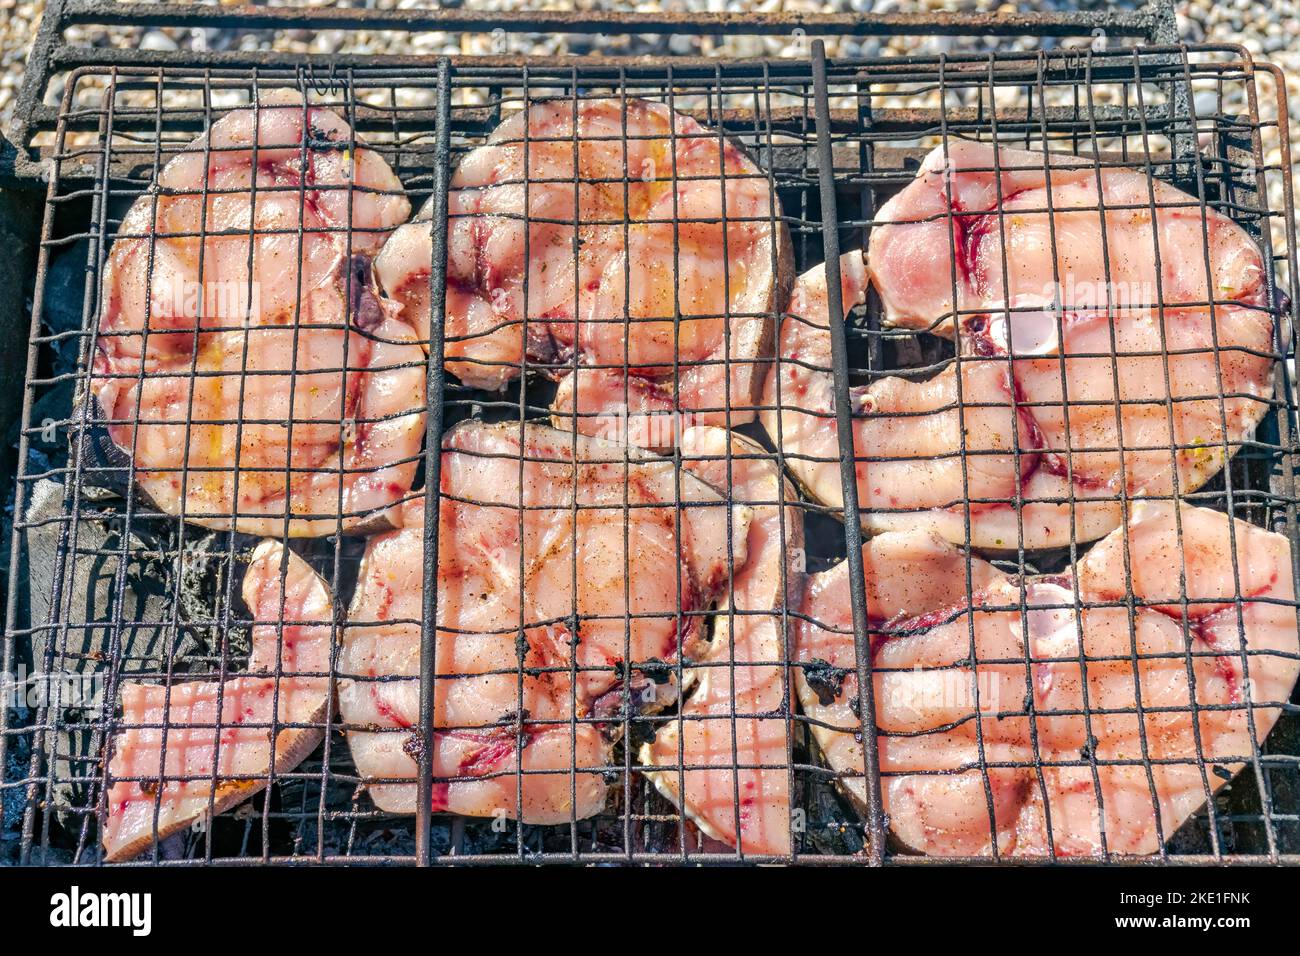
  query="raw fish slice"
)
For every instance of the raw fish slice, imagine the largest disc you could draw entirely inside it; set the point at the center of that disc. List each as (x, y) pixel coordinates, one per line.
(219, 763)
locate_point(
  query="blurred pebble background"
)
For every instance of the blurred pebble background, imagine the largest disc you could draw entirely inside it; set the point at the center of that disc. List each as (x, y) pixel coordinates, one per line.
(1268, 30)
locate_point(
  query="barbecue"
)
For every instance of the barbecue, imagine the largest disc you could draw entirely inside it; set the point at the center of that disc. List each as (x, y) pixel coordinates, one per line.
(586, 310)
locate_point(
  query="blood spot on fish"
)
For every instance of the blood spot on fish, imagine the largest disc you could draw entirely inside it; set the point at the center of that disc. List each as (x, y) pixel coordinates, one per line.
(441, 797)
(487, 759)
(386, 711)
(746, 812)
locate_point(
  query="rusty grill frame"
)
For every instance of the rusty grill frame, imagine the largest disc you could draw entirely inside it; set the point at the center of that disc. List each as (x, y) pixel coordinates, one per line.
(831, 151)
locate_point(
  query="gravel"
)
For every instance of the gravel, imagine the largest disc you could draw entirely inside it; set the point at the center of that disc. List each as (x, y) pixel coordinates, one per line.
(1267, 30)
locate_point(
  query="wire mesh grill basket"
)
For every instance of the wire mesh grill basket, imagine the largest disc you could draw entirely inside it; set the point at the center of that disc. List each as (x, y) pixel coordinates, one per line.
(108, 590)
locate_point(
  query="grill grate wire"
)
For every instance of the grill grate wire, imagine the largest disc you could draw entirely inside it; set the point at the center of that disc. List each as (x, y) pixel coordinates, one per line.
(106, 587)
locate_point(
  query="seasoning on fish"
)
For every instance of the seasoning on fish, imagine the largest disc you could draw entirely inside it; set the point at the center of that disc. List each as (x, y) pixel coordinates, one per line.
(539, 531)
(247, 372)
(213, 763)
(618, 246)
(1027, 699)
(736, 715)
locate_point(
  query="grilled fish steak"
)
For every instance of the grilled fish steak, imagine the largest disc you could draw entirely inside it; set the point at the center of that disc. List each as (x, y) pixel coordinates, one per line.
(726, 757)
(1060, 227)
(1095, 309)
(175, 762)
(1057, 687)
(567, 584)
(630, 252)
(245, 367)
(988, 440)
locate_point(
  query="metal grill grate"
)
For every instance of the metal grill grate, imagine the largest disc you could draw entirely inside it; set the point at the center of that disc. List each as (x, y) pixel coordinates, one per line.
(104, 588)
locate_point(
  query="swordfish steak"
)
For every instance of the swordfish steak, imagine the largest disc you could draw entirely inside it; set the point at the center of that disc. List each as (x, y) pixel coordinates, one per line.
(631, 253)
(1016, 443)
(188, 751)
(566, 583)
(726, 758)
(1113, 333)
(1071, 682)
(245, 367)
